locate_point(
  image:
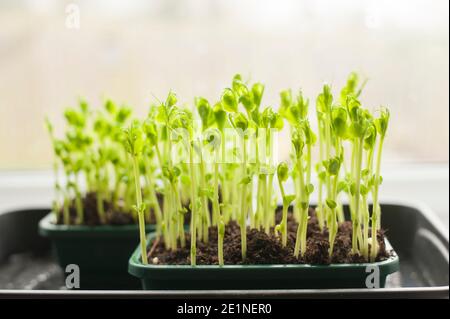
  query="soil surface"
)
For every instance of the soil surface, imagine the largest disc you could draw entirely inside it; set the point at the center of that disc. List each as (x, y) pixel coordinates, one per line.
(265, 248)
(114, 215)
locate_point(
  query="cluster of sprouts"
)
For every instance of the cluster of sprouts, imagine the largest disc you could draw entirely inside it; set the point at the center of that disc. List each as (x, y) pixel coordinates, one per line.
(202, 168)
(93, 161)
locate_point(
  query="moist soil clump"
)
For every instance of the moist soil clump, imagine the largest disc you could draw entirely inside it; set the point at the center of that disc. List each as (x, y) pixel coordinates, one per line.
(114, 214)
(263, 248)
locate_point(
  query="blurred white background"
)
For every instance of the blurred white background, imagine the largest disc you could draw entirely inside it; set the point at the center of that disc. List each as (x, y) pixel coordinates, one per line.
(132, 50)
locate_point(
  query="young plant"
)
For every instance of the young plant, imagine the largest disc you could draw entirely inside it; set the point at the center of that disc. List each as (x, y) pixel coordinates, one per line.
(300, 138)
(269, 121)
(152, 139)
(303, 138)
(359, 126)
(369, 147)
(283, 174)
(207, 118)
(231, 98)
(134, 143)
(381, 125)
(240, 123)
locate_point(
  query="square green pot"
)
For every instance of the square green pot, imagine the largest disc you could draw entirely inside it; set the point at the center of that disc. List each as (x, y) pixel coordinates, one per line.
(176, 277)
(101, 252)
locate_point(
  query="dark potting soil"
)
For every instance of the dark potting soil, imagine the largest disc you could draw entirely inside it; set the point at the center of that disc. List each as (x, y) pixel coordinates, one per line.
(114, 215)
(265, 248)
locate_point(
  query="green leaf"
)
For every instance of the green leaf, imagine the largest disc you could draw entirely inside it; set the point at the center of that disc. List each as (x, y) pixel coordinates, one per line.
(257, 91)
(171, 100)
(123, 114)
(322, 176)
(204, 110)
(298, 141)
(151, 131)
(331, 203)
(339, 121)
(286, 99)
(74, 118)
(325, 100)
(333, 165)
(239, 122)
(247, 101)
(207, 192)
(342, 186)
(371, 137)
(288, 199)
(237, 82)
(363, 189)
(110, 107)
(382, 122)
(350, 88)
(282, 171)
(229, 101)
(246, 180)
(134, 139)
(220, 116)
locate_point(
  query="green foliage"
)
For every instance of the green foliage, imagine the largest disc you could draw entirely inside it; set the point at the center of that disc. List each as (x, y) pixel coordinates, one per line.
(131, 165)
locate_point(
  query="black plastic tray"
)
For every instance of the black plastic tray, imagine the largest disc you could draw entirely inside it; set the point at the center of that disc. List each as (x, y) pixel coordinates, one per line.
(27, 269)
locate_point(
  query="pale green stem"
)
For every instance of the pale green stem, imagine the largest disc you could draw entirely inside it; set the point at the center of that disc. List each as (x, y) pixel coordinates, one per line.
(284, 217)
(301, 229)
(206, 220)
(143, 239)
(376, 211)
(356, 221)
(243, 217)
(193, 252)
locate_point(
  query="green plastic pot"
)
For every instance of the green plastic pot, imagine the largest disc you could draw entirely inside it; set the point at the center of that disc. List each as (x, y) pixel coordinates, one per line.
(101, 252)
(188, 277)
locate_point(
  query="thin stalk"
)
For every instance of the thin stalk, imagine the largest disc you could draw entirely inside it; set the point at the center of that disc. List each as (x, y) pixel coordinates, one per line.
(300, 242)
(173, 224)
(376, 212)
(269, 199)
(216, 212)
(243, 217)
(179, 217)
(193, 208)
(328, 152)
(253, 217)
(265, 216)
(143, 240)
(284, 216)
(333, 225)
(365, 250)
(255, 222)
(340, 211)
(154, 202)
(356, 221)
(206, 219)
(320, 212)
